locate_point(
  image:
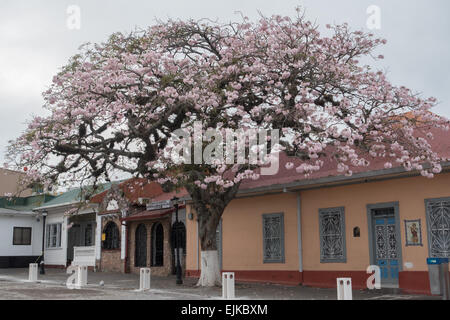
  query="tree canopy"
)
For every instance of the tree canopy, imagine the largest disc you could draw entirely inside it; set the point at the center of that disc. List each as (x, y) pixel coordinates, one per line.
(116, 106)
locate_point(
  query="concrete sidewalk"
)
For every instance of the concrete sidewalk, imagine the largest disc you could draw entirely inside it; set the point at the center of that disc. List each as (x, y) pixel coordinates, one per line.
(117, 286)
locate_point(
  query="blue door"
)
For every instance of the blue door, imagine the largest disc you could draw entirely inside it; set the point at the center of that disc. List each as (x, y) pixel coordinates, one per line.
(387, 246)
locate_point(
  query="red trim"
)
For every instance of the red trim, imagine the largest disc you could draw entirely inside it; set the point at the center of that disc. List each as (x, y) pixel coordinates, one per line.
(270, 276)
(327, 279)
(414, 282)
(193, 273)
(150, 214)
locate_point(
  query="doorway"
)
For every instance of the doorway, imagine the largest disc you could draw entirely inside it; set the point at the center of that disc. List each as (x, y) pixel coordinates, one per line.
(141, 246)
(385, 241)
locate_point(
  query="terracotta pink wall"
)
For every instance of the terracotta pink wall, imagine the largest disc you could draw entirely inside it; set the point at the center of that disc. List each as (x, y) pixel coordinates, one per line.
(242, 233)
(242, 224)
(409, 192)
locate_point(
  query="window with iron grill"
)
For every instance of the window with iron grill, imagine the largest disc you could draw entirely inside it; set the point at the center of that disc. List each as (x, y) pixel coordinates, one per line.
(157, 245)
(140, 259)
(332, 235)
(438, 222)
(111, 236)
(178, 233)
(273, 238)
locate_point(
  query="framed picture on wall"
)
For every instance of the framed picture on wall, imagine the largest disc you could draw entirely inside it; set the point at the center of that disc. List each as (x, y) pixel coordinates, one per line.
(413, 232)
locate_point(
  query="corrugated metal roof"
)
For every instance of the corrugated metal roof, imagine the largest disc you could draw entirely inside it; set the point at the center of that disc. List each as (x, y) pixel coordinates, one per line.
(25, 203)
(73, 196)
(11, 212)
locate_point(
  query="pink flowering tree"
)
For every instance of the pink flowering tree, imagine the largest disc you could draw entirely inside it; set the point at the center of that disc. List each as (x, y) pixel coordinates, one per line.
(119, 106)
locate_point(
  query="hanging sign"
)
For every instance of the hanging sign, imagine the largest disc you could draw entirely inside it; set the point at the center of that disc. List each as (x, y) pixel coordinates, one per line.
(157, 205)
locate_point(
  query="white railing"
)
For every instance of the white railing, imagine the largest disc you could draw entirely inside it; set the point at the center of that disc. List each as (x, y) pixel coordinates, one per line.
(84, 256)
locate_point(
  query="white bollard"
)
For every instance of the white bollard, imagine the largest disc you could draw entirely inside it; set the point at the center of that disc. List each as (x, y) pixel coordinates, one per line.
(344, 289)
(82, 276)
(228, 285)
(144, 281)
(33, 272)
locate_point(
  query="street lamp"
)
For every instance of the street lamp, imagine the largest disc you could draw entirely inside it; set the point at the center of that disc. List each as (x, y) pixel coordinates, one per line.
(44, 216)
(177, 242)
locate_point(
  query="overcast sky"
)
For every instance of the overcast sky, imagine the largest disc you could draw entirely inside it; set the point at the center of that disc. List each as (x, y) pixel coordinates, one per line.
(35, 40)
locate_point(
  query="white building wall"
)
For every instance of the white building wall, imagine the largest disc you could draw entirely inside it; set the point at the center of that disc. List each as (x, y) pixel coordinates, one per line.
(57, 256)
(7, 224)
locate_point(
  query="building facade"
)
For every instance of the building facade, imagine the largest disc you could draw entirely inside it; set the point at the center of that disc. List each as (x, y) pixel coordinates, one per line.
(21, 231)
(290, 230)
(137, 223)
(70, 229)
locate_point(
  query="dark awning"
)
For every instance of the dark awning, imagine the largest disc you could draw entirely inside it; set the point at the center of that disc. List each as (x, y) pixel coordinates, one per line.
(148, 215)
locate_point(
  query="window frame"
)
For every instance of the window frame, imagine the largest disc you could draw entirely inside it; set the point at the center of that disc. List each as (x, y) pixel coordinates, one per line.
(343, 258)
(156, 255)
(21, 238)
(282, 258)
(49, 235)
(428, 202)
(106, 237)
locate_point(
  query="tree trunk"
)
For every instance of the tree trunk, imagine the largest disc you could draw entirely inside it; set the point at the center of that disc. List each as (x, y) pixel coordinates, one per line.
(210, 272)
(209, 206)
(210, 269)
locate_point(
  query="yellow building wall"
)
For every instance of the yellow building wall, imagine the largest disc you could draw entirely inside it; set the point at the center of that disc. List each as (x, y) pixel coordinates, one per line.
(192, 243)
(242, 224)
(410, 193)
(242, 234)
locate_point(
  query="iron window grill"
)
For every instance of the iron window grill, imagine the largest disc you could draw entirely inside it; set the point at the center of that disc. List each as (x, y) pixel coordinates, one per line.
(112, 240)
(141, 246)
(157, 245)
(438, 221)
(332, 235)
(273, 238)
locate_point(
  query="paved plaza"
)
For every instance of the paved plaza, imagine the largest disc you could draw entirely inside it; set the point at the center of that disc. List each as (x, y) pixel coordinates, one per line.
(117, 286)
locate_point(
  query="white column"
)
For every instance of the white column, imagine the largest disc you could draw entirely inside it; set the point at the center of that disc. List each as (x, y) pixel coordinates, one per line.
(98, 238)
(64, 238)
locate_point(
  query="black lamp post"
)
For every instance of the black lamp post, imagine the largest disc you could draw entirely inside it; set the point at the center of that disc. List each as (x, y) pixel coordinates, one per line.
(177, 242)
(44, 216)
